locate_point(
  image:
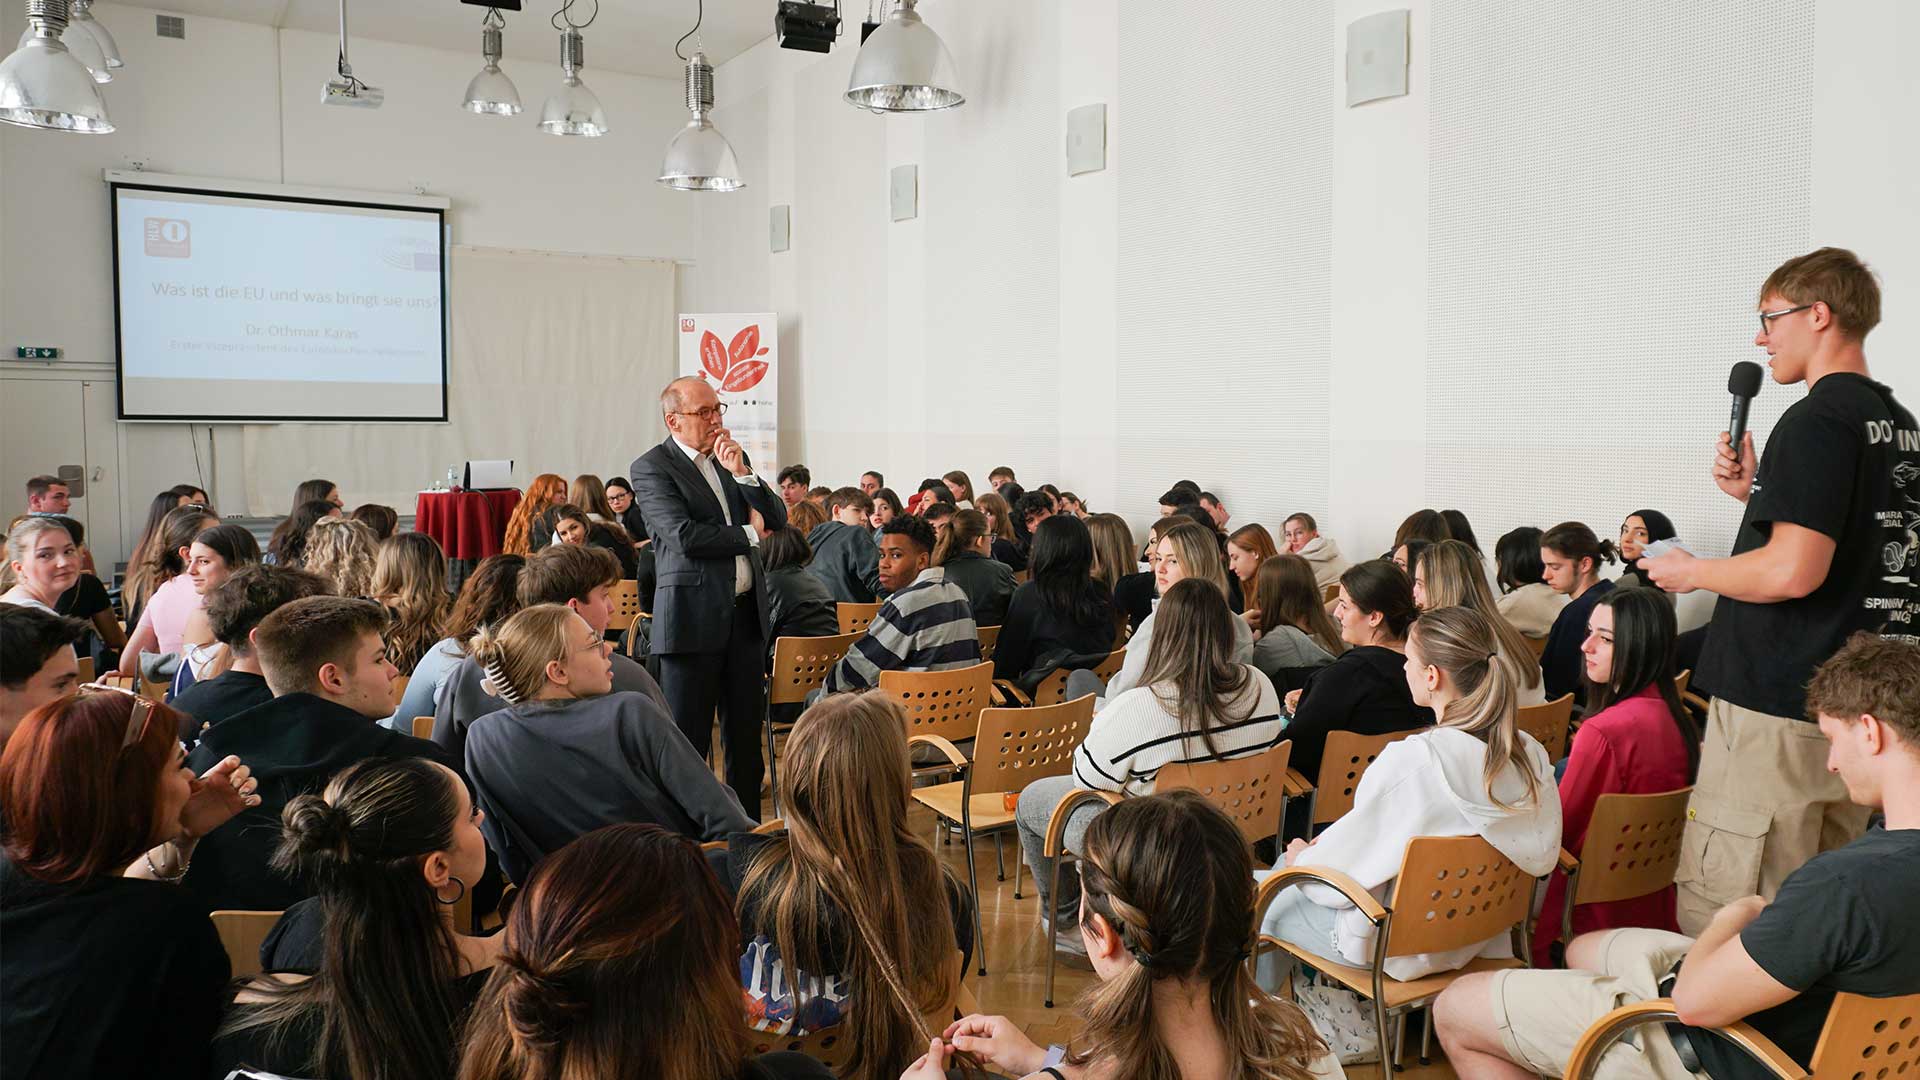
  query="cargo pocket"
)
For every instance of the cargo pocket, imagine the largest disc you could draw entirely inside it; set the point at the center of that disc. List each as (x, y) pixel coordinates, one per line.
(1720, 850)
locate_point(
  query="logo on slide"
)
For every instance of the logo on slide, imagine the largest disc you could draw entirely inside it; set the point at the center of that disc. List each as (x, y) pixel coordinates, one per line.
(735, 365)
(169, 238)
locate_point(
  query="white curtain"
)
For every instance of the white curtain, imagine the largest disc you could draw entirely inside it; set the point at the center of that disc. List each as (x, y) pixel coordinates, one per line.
(556, 362)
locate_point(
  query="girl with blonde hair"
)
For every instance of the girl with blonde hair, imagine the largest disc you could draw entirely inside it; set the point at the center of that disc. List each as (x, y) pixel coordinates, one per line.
(1112, 549)
(410, 581)
(1449, 574)
(342, 551)
(1005, 545)
(1187, 550)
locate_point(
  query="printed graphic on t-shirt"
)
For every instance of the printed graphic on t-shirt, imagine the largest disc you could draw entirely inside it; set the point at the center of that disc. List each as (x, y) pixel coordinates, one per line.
(788, 1003)
(1900, 521)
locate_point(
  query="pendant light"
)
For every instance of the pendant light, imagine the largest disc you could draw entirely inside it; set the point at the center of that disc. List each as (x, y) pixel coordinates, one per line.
(84, 46)
(81, 17)
(573, 109)
(699, 158)
(491, 93)
(42, 84)
(903, 66)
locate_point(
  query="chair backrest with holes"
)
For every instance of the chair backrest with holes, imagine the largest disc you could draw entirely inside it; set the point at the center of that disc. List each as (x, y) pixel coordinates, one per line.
(943, 703)
(241, 934)
(1052, 690)
(1249, 789)
(1632, 846)
(1548, 724)
(1869, 1038)
(1455, 891)
(1019, 746)
(625, 597)
(855, 617)
(800, 665)
(1342, 763)
(989, 640)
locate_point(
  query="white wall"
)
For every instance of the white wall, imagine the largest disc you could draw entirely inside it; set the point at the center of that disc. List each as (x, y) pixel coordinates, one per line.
(1380, 428)
(242, 101)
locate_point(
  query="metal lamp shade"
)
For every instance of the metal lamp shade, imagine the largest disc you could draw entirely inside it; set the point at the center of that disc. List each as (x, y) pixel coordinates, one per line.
(42, 85)
(491, 93)
(700, 159)
(904, 67)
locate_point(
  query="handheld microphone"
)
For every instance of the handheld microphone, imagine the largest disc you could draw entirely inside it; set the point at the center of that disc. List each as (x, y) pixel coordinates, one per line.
(1743, 382)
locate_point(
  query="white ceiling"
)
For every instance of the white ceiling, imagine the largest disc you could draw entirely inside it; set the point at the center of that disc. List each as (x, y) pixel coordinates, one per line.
(634, 36)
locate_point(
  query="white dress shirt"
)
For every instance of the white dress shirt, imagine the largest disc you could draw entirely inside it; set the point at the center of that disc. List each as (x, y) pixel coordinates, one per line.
(709, 471)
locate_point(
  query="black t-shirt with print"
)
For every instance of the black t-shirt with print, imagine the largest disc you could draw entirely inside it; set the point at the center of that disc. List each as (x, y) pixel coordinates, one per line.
(83, 600)
(1841, 924)
(1844, 462)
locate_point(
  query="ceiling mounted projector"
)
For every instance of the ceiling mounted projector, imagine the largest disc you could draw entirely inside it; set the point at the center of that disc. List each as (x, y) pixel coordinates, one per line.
(807, 27)
(344, 88)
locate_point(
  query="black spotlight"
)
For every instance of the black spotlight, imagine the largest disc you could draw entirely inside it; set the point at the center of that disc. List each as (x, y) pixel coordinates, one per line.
(808, 27)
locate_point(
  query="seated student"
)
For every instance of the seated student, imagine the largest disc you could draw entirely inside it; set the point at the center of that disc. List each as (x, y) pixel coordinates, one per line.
(1459, 528)
(1074, 505)
(1004, 547)
(87, 600)
(487, 597)
(217, 553)
(1114, 556)
(1177, 498)
(931, 490)
(872, 482)
(44, 561)
(1168, 883)
(1365, 689)
(961, 488)
(845, 558)
(818, 495)
(1134, 593)
(620, 753)
(342, 551)
(1426, 525)
(937, 514)
(572, 525)
(1187, 550)
(925, 624)
(164, 619)
(102, 974)
(1638, 739)
(1406, 555)
(1195, 702)
(1571, 555)
(794, 480)
(1247, 548)
(1001, 476)
(577, 577)
(1449, 575)
(1475, 774)
(378, 980)
(524, 534)
(806, 517)
(886, 507)
(1840, 924)
(620, 960)
(1063, 617)
(1642, 527)
(626, 512)
(870, 943)
(136, 586)
(234, 610)
(1294, 635)
(288, 544)
(383, 520)
(798, 605)
(327, 664)
(962, 552)
(1033, 508)
(410, 581)
(1303, 539)
(37, 664)
(1526, 600)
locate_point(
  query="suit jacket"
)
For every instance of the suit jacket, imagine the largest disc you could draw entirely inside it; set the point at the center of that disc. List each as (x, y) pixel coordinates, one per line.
(694, 548)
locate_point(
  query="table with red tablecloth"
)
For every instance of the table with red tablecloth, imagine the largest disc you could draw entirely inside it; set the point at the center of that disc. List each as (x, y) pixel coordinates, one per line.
(469, 525)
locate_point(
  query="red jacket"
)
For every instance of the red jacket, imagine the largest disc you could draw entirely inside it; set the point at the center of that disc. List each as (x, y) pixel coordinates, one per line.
(1632, 747)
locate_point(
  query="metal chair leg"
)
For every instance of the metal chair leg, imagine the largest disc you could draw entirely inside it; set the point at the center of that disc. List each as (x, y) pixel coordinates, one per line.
(1399, 1041)
(973, 882)
(773, 774)
(1380, 1033)
(1052, 903)
(1426, 1035)
(1019, 867)
(999, 861)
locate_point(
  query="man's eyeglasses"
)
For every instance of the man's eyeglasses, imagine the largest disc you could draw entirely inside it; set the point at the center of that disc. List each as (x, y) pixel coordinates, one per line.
(136, 720)
(1767, 317)
(709, 414)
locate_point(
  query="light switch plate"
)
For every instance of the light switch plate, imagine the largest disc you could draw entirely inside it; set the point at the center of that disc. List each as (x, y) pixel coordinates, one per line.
(780, 227)
(1377, 57)
(905, 189)
(1086, 139)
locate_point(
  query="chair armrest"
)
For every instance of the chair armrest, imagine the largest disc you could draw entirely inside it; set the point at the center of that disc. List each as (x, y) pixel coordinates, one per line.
(1568, 864)
(1609, 1028)
(1009, 694)
(952, 752)
(1295, 784)
(1695, 700)
(771, 825)
(1288, 876)
(714, 845)
(1062, 810)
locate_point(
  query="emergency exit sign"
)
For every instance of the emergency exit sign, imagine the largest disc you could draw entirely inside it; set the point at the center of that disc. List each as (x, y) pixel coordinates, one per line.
(36, 352)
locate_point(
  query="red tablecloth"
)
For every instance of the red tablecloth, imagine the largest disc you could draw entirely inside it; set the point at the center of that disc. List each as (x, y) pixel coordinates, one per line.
(468, 524)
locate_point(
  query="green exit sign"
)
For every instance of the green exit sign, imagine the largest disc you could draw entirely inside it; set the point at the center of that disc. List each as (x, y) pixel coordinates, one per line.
(36, 352)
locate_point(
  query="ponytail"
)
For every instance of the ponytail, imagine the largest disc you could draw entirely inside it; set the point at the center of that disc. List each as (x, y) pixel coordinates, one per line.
(1574, 540)
(1461, 642)
(963, 528)
(515, 655)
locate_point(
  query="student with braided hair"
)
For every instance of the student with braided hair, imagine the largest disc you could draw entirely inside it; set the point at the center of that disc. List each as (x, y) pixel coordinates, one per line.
(1168, 888)
(621, 755)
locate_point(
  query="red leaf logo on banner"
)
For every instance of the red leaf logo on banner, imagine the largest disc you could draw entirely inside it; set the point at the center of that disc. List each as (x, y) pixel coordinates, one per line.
(745, 376)
(712, 356)
(744, 344)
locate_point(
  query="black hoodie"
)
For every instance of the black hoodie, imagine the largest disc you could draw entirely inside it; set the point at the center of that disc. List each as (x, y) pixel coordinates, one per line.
(1364, 691)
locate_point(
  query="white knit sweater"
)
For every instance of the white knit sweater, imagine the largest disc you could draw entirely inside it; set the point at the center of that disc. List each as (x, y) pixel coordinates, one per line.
(1135, 736)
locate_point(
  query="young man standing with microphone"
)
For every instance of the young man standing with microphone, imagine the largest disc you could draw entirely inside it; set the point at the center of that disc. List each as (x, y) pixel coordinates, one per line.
(1827, 546)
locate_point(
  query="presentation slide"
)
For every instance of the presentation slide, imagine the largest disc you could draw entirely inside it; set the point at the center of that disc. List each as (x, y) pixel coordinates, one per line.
(244, 307)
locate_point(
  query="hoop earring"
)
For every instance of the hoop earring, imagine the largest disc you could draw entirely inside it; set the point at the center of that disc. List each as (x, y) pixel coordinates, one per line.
(461, 895)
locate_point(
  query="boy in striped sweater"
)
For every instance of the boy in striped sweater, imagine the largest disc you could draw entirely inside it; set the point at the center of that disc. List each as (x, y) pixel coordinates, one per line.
(925, 625)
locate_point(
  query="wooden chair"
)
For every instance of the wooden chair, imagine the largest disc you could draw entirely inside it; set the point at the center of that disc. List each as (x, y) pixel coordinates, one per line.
(1538, 645)
(632, 645)
(800, 666)
(1342, 762)
(855, 617)
(1021, 577)
(626, 604)
(1863, 1037)
(1052, 690)
(1012, 748)
(1680, 682)
(399, 688)
(241, 934)
(423, 727)
(1631, 849)
(1330, 593)
(154, 688)
(85, 664)
(1549, 724)
(124, 682)
(1452, 892)
(989, 641)
(944, 704)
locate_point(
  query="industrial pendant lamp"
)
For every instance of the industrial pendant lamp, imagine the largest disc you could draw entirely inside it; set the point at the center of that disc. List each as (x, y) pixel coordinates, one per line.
(81, 18)
(491, 93)
(43, 85)
(904, 67)
(573, 109)
(699, 158)
(79, 41)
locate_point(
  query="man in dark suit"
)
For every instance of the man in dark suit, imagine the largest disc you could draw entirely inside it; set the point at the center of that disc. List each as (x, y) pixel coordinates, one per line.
(706, 512)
